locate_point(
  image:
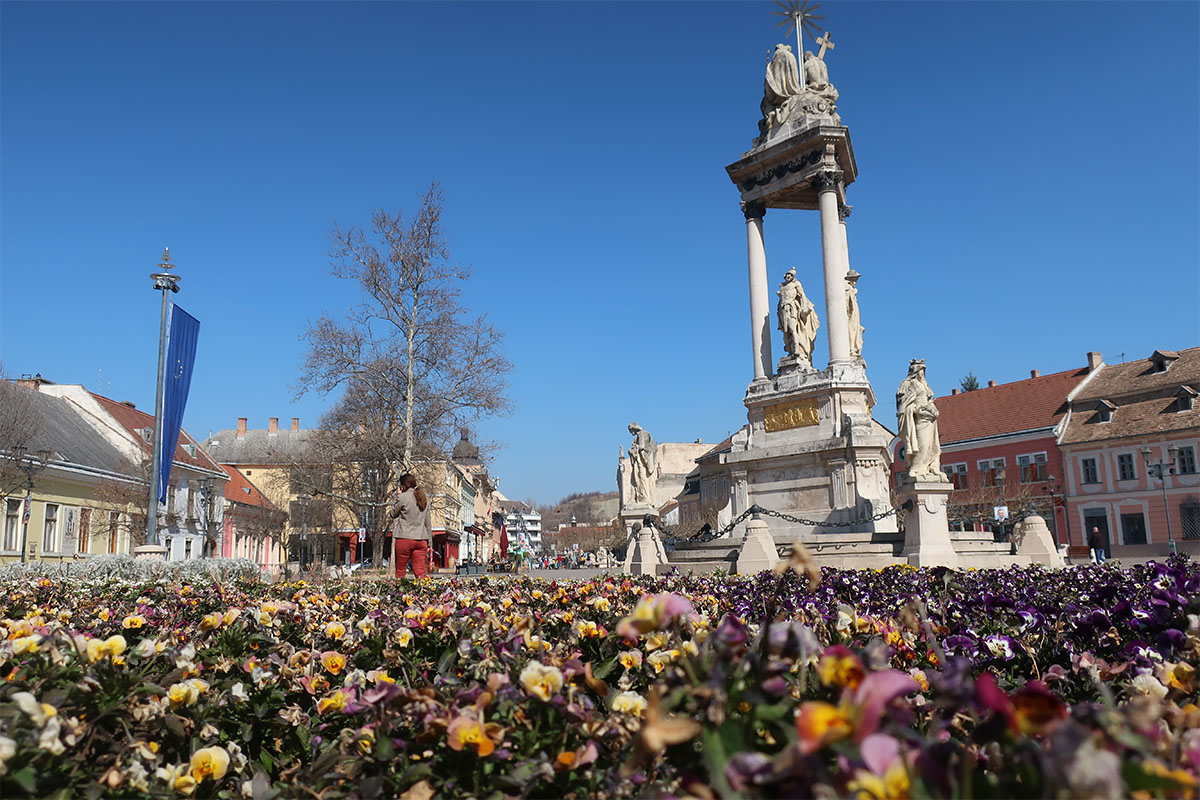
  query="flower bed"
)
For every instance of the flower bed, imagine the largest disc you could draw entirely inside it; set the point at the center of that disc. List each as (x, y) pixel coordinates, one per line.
(892, 683)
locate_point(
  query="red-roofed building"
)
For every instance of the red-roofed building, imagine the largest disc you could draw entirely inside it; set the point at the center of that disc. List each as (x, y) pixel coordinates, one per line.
(253, 526)
(1000, 448)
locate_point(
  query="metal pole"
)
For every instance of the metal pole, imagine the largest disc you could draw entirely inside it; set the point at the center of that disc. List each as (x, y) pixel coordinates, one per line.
(1167, 511)
(156, 458)
(28, 508)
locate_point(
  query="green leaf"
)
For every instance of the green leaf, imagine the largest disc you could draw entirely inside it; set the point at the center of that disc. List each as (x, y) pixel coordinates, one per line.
(447, 660)
(604, 668)
(26, 778)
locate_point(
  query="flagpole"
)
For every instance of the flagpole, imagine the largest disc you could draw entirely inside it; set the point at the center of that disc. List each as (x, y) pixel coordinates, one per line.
(165, 281)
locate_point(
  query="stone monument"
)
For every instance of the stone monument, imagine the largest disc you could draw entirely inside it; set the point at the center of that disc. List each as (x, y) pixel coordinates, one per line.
(643, 464)
(810, 448)
(853, 316)
(925, 490)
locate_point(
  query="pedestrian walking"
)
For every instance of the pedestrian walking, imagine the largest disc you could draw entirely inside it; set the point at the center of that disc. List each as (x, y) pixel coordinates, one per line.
(412, 527)
(1096, 542)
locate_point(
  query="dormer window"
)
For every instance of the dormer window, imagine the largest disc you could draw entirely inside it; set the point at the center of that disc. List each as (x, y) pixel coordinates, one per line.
(1161, 360)
(147, 433)
(190, 449)
(1104, 411)
(1185, 399)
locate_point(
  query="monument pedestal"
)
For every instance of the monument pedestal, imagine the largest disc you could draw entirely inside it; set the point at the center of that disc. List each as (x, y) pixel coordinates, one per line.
(758, 551)
(812, 450)
(926, 530)
(644, 549)
(1035, 542)
(150, 552)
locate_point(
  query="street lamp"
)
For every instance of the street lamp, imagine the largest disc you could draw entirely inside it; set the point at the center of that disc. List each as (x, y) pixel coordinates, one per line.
(31, 467)
(165, 281)
(1160, 469)
(206, 506)
(303, 499)
(1055, 493)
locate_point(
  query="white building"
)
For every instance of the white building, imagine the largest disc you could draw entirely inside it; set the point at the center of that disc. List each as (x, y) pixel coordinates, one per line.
(524, 523)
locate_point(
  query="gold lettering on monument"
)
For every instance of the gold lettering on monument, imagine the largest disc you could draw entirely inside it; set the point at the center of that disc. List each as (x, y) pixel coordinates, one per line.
(786, 416)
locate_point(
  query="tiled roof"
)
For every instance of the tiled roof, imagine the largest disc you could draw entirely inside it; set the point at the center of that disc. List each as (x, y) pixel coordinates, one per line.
(259, 447)
(54, 424)
(1143, 402)
(241, 490)
(134, 421)
(1031, 404)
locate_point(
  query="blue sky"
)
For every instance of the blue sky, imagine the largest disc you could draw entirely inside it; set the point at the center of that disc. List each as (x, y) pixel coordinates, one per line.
(1027, 192)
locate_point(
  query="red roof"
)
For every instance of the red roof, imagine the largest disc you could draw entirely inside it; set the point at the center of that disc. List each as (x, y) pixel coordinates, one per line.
(1031, 404)
(134, 421)
(241, 490)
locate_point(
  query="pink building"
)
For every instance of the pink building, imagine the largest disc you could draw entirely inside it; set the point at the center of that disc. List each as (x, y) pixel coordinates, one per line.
(253, 526)
(1122, 422)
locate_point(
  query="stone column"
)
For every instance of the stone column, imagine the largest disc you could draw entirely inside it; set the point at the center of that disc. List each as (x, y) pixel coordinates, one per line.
(836, 263)
(927, 540)
(760, 307)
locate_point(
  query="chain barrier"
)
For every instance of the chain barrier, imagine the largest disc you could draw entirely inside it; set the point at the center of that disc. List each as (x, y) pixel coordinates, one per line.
(707, 534)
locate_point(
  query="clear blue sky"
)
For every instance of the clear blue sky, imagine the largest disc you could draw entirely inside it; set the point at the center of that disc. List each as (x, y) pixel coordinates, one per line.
(1028, 172)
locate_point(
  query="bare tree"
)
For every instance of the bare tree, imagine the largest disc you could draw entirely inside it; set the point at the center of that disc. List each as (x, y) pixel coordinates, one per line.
(409, 352)
(20, 425)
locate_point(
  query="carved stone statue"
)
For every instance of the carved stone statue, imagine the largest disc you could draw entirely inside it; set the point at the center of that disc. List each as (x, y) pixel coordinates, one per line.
(917, 418)
(781, 84)
(643, 462)
(797, 319)
(852, 313)
(816, 76)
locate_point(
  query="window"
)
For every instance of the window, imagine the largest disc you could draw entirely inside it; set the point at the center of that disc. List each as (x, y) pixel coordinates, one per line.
(171, 490)
(1185, 462)
(1189, 515)
(187, 548)
(12, 524)
(50, 529)
(1133, 529)
(1032, 467)
(1125, 469)
(992, 471)
(1104, 411)
(957, 474)
(1090, 473)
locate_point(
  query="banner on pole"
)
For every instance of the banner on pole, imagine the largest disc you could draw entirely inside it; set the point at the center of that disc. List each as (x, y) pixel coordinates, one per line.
(181, 357)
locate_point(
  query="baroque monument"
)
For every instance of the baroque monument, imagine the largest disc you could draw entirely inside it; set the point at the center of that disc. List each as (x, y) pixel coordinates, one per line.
(811, 448)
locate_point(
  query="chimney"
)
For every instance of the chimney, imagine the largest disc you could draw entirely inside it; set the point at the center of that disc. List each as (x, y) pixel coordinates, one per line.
(295, 423)
(1033, 373)
(273, 425)
(1094, 361)
(241, 434)
(991, 384)
(954, 391)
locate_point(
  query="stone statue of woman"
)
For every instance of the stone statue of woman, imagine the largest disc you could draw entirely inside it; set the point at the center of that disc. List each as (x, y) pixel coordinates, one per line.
(643, 463)
(852, 312)
(917, 417)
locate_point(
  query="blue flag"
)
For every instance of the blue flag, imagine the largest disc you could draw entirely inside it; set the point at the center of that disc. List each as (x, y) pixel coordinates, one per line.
(181, 357)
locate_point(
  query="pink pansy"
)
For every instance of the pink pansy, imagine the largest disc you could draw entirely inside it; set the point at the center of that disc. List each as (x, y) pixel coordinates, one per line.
(874, 694)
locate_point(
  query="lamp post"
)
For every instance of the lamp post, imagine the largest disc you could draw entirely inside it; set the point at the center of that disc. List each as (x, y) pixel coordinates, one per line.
(1161, 469)
(31, 466)
(303, 499)
(1055, 493)
(165, 281)
(206, 506)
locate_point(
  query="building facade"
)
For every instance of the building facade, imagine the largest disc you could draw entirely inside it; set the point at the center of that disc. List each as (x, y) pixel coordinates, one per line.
(1130, 447)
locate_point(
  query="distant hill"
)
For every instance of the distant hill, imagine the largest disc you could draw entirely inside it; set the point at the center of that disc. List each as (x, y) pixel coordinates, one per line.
(588, 508)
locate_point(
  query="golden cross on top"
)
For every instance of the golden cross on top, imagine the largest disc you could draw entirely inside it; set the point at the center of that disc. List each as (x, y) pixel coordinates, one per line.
(825, 41)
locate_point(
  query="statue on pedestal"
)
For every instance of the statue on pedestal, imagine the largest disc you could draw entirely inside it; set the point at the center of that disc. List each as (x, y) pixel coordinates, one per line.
(797, 319)
(917, 417)
(853, 315)
(782, 82)
(643, 462)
